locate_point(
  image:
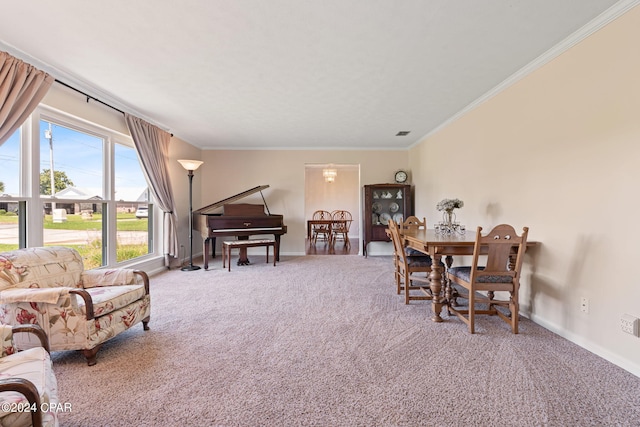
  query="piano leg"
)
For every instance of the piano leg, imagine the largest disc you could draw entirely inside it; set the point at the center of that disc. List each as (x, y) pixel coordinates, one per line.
(205, 252)
(277, 248)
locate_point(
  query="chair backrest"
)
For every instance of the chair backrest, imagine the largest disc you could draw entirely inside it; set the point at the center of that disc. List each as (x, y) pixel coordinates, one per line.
(414, 223)
(499, 244)
(342, 215)
(41, 267)
(320, 214)
(398, 246)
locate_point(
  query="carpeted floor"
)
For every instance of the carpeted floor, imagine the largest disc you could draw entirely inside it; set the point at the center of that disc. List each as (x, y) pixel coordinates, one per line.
(325, 341)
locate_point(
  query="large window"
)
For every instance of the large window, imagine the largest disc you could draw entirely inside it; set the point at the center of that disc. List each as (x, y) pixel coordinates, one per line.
(74, 184)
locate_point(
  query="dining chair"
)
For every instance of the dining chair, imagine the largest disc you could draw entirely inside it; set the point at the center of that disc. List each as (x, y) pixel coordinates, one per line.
(500, 272)
(406, 267)
(413, 223)
(340, 227)
(323, 230)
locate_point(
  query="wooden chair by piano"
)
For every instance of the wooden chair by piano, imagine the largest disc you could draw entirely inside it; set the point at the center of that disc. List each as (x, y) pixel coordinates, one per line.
(340, 226)
(323, 230)
(499, 273)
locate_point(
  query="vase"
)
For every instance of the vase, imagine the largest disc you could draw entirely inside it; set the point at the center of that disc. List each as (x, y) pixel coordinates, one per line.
(449, 218)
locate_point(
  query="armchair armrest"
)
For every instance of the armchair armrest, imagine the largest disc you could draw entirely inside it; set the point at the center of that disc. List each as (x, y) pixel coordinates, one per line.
(37, 331)
(29, 390)
(145, 278)
(88, 302)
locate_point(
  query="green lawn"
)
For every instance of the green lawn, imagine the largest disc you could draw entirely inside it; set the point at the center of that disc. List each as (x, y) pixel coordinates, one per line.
(124, 222)
(92, 252)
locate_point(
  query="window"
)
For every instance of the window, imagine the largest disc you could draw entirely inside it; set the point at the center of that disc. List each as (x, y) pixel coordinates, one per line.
(98, 185)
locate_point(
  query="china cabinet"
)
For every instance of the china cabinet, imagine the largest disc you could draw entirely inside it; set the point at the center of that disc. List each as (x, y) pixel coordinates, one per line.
(383, 202)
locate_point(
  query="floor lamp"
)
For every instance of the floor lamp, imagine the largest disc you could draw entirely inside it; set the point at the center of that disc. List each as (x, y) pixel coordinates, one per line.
(190, 165)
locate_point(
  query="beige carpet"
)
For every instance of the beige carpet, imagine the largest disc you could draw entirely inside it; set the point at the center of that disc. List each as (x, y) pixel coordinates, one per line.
(325, 341)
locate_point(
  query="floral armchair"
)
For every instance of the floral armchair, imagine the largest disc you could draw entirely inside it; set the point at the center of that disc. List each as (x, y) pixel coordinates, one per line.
(77, 309)
(28, 386)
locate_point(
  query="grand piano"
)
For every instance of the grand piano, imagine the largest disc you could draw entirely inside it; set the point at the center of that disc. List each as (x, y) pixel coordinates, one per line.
(225, 218)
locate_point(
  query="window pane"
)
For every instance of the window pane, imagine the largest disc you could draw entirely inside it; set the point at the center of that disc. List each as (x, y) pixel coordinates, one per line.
(133, 230)
(10, 170)
(10, 223)
(133, 209)
(78, 225)
(74, 159)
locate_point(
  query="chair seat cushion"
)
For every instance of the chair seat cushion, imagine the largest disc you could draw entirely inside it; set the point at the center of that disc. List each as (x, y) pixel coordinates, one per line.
(415, 252)
(110, 298)
(464, 273)
(419, 261)
(34, 365)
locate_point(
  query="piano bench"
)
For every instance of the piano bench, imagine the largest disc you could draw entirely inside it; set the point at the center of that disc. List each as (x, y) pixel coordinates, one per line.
(250, 243)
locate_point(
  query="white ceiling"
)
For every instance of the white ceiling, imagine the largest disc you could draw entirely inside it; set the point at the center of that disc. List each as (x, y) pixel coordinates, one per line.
(303, 74)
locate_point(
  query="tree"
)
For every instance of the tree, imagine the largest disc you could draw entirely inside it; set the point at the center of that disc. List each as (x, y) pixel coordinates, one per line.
(60, 178)
(1, 187)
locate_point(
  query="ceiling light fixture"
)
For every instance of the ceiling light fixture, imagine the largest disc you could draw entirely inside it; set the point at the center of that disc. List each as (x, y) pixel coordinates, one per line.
(329, 174)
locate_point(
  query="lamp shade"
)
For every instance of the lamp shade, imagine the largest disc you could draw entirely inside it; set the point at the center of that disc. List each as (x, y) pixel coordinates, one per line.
(190, 165)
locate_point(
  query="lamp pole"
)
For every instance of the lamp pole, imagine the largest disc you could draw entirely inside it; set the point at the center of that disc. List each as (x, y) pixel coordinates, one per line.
(190, 166)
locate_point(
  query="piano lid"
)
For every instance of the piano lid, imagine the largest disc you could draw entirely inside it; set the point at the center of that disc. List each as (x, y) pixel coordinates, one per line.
(210, 208)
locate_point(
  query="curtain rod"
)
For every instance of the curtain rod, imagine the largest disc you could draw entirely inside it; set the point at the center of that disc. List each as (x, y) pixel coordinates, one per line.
(89, 96)
(93, 97)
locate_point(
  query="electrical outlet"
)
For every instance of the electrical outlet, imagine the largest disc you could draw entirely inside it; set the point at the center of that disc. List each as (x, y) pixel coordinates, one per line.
(629, 324)
(584, 305)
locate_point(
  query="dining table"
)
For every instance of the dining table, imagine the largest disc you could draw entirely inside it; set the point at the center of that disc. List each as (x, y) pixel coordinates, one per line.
(440, 245)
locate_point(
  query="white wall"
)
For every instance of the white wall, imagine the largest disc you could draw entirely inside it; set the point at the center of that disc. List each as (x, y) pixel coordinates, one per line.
(228, 172)
(558, 152)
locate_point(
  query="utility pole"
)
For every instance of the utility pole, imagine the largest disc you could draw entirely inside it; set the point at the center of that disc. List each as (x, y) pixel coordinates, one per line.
(49, 135)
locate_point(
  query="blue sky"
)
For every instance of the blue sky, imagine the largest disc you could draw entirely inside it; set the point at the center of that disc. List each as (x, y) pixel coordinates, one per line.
(76, 153)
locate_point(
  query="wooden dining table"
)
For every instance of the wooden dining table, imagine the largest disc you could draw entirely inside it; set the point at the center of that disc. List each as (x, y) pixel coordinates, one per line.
(439, 245)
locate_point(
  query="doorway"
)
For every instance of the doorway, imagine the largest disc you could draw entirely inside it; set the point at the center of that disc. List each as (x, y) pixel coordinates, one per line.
(343, 193)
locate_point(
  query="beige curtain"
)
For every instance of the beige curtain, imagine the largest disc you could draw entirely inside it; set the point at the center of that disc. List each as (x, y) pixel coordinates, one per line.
(22, 87)
(152, 145)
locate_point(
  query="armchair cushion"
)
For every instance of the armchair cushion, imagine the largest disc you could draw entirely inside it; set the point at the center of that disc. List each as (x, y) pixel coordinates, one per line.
(110, 298)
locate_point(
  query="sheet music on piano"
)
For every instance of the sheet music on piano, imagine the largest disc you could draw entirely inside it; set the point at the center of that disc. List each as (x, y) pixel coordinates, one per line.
(241, 220)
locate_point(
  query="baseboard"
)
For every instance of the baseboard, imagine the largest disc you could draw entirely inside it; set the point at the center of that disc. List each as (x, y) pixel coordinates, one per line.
(625, 364)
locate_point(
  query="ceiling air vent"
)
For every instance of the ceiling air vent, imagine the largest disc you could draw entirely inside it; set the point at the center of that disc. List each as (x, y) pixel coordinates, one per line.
(403, 133)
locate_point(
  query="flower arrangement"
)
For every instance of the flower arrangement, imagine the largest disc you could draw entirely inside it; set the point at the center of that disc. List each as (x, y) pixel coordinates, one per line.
(449, 204)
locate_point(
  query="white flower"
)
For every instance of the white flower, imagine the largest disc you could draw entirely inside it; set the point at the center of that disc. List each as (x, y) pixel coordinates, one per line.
(449, 204)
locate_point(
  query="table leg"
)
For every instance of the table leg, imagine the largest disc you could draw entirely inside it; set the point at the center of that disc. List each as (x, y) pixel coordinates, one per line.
(450, 294)
(436, 286)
